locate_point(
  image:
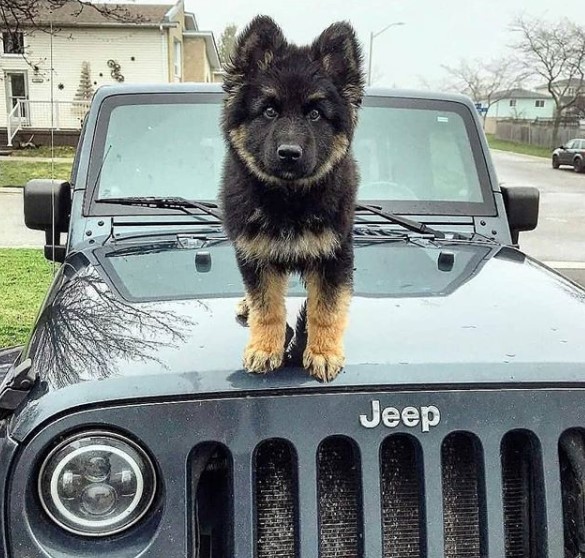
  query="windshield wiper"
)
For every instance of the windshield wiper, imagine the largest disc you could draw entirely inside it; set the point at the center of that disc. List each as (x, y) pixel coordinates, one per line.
(408, 224)
(181, 204)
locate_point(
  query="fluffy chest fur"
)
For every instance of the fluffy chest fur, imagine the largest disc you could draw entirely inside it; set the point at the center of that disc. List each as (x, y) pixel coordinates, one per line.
(288, 225)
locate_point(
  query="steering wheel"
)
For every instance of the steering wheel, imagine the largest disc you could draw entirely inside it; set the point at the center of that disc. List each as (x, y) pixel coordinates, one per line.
(385, 190)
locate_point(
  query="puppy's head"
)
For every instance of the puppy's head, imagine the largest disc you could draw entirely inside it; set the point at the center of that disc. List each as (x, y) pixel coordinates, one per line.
(291, 111)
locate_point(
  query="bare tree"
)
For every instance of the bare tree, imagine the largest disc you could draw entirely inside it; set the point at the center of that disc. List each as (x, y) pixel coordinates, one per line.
(485, 82)
(555, 53)
(226, 42)
(17, 16)
(88, 329)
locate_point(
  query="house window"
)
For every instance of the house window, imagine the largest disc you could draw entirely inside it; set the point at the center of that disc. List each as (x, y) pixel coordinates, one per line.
(512, 102)
(539, 103)
(177, 59)
(13, 43)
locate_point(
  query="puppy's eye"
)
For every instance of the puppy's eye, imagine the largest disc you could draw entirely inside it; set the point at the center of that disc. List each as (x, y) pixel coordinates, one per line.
(314, 115)
(270, 113)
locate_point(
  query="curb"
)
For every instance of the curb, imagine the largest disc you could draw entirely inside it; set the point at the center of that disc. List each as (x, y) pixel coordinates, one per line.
(535, 157)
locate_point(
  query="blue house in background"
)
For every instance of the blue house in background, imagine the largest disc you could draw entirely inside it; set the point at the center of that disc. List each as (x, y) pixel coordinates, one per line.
(520, 104)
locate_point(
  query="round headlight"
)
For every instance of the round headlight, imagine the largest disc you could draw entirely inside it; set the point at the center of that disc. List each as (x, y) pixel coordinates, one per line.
(97, 484)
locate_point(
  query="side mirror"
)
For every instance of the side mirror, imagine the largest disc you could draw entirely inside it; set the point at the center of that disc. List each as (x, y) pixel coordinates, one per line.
(47, 206)
(522, 204)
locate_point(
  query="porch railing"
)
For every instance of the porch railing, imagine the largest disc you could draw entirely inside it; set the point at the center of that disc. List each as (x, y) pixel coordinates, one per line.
(44, 115)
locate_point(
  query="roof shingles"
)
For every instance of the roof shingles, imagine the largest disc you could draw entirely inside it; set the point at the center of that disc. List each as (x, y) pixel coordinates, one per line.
(519, 93)
(74, 13)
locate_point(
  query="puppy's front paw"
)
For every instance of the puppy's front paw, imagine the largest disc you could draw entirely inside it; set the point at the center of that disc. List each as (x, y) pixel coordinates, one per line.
(325, 366)
(259, 358)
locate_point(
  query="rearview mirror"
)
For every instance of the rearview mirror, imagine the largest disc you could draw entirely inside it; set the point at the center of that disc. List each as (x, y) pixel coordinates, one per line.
(47, 205)
(522, 204)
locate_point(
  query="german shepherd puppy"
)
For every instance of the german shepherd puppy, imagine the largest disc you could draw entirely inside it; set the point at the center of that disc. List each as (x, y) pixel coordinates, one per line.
(289, 185)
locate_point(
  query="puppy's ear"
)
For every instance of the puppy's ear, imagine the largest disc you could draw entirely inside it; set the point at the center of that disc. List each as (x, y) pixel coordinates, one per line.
(339, 53)
(254, 49)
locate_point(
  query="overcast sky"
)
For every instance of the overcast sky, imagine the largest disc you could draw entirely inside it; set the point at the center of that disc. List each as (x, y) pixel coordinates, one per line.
(436, 32)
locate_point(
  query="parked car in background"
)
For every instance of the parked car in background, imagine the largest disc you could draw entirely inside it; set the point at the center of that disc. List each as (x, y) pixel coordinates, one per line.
(572, 154)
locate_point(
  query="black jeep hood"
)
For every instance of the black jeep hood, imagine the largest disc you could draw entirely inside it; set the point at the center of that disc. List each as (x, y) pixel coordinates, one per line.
(158, 320)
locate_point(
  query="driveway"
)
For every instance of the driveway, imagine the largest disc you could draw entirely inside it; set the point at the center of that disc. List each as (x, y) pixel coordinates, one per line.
(13, 233)
(560, 235)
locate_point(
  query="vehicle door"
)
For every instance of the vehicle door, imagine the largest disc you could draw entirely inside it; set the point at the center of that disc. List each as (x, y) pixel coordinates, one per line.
(566, 153)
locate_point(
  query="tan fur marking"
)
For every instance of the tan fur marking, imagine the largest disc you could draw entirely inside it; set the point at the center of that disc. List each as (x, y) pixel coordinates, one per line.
(265, 63)
(306, 245)
(269, 91)
(317, 96)
(267, 321)
(238, 139)
(257, 216)
(338, 151)
(326, 322)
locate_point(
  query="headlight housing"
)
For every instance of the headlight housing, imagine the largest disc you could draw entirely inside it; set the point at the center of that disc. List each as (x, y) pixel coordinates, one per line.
(97, 484)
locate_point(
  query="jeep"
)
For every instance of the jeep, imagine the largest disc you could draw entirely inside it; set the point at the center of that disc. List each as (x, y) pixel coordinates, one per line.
(129, 428)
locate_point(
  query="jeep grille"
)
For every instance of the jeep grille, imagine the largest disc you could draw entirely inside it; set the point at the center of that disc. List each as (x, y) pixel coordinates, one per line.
(404, 497)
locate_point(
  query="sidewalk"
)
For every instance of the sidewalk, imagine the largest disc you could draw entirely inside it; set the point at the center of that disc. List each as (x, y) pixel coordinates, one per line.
(8, 158)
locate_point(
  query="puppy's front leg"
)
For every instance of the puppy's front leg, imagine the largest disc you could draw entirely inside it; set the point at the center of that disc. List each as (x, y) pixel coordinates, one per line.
(327, 311)
(265, 292)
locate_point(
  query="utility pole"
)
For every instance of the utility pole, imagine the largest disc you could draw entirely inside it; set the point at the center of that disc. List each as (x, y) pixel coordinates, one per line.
(372, 37)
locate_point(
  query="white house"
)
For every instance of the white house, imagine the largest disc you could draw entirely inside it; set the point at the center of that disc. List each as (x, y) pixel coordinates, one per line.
(518, 104)
(136, 43)
(565, 87)
(571, 91)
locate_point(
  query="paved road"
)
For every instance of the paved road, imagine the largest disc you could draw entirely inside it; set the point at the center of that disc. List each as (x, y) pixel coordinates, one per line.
(560, 235)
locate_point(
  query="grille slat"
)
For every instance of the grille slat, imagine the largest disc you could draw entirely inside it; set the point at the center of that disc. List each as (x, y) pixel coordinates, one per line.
(401, 499)
(339, 492)
(243, 539)
(276, 501)
(462, 497)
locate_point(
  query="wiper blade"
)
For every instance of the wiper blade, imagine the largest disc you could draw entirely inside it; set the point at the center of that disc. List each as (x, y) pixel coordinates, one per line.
(181, 204)
(369, 232)
(408, 224)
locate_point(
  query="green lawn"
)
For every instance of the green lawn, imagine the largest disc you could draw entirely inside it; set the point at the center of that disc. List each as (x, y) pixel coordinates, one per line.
(44, 151)
(523, 148)
(18, 173)
(24, 278)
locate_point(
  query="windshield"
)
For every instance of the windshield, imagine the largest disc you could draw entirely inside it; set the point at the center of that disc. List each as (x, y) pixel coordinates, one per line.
(415, 154)
(412, 153)
(163, 150)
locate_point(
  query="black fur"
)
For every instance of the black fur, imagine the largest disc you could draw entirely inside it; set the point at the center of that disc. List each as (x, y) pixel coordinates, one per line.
(289, 175)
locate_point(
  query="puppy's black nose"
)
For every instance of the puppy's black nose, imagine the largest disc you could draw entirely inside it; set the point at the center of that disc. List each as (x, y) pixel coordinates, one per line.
(289, 153)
